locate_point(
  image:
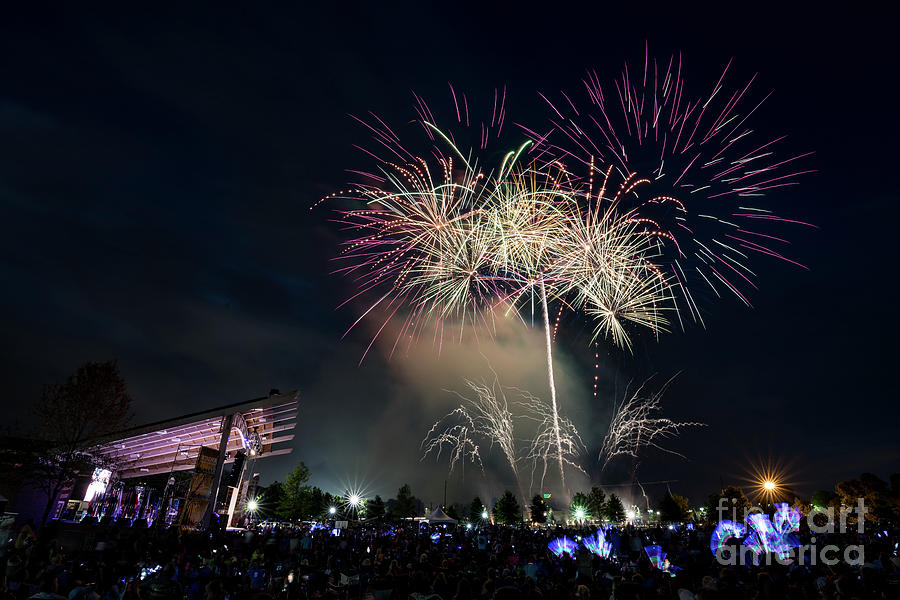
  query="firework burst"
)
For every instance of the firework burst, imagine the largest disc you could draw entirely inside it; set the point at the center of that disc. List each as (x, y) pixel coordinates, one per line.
(705, 168)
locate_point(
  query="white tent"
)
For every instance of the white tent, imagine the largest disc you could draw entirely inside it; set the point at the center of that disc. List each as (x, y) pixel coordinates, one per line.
(439, 517)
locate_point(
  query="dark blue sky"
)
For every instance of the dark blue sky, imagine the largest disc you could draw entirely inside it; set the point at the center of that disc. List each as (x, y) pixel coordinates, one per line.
(157, 168)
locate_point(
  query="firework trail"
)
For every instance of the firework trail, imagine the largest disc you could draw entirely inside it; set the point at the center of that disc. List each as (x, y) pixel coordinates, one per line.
(457, 437)
(706, 170)
(558, 241)
(493, 418)
(555, 441)
(637, 424)
(526, 220)
(439, 240)
(486, 414)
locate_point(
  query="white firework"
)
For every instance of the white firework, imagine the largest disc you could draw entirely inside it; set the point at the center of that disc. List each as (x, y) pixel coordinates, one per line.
(637, 424)
(456, 437)
(556, 440)
(489, 412)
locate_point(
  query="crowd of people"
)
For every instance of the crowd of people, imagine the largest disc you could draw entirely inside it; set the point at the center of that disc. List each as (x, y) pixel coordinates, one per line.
(414, 561)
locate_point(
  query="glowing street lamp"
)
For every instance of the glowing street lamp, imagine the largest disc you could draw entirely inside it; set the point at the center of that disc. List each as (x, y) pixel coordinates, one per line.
(331, 510)
(252, 506)
(484, 514)
(354, 500)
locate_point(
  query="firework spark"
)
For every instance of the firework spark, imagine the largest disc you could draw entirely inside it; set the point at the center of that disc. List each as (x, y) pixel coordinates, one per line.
(442, 241)
(637, 425)
(491, 416)
(706, 170)
(484, 415)
(457, 436)
(607, 260)
(556, 439)
(558, 241)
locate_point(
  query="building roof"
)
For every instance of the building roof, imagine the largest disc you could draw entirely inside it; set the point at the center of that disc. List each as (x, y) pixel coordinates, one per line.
(173, 444)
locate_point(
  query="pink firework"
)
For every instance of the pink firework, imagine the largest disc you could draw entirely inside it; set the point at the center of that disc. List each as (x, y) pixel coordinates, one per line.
(705, 169)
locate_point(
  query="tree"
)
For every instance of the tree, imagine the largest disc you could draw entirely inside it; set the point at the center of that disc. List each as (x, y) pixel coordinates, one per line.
(375, 508)
(580, 502)
(822, 499)
(879, 499)
(475, 509)
(406, 502)
(614, 510)
(673, 508)
(730, 503)
(73, 417)
(507, 509)
(270, 499)
(451, 512)
(596, 499)
(316, 503)
(295, 494)
(538, 510)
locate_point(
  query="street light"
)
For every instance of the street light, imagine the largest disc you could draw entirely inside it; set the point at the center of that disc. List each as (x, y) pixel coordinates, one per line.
(252, 505)
(331, 510)
(484, 514)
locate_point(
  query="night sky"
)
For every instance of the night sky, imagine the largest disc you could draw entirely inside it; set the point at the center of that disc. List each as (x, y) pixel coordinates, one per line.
(157, 172)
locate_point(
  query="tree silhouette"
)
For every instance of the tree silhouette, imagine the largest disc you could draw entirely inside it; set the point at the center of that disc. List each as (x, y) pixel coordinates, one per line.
(507, 509)
(596, 499)
(375, 508)
(475, 509)
(74, 416)
(673, 508)
(405, 506)
(614, 510)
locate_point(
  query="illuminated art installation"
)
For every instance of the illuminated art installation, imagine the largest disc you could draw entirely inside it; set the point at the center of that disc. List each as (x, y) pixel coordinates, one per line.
(724, 530)
(776, 538)
(657, 556)
(597, 544)
(562, 545)
(787, 519)
(762, 535)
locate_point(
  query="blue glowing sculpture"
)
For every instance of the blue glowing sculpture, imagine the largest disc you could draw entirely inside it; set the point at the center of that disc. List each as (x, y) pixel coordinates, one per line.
(562, 545)
(597, 544)
(724, 530)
